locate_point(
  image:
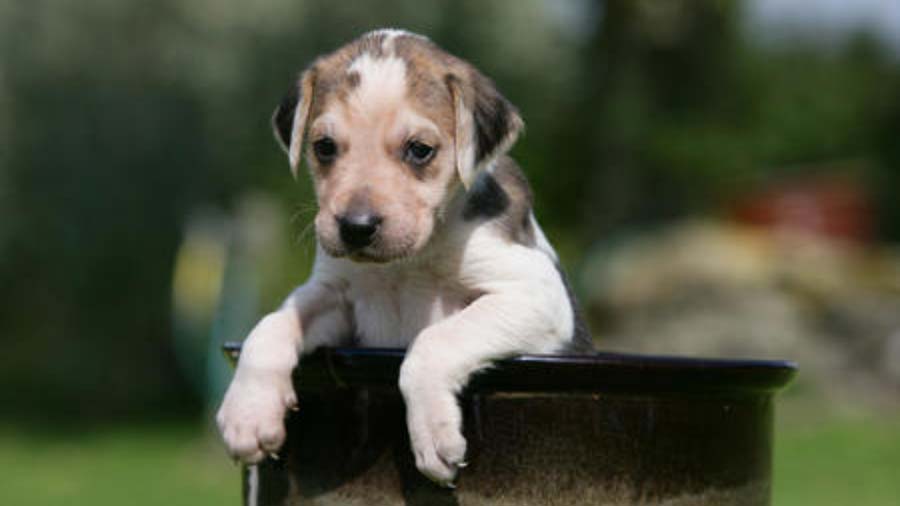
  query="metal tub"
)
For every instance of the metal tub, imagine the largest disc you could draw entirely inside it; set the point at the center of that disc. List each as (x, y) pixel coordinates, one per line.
(603, 429)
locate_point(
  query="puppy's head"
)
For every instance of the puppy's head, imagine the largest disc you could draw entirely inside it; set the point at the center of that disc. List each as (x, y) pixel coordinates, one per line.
(389, 125)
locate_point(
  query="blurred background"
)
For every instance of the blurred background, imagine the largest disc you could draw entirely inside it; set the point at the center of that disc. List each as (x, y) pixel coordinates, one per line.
(720, 178)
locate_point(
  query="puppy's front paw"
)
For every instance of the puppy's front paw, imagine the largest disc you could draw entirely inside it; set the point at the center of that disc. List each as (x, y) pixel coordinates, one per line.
(251, 418)
(440, 453)
(434, 420)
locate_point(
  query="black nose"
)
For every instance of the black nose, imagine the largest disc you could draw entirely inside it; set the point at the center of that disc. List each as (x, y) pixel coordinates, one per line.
(358, 229)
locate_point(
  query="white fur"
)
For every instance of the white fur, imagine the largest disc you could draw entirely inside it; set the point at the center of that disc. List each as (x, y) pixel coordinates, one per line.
(524, 309)
(382, 82)
(251, 418)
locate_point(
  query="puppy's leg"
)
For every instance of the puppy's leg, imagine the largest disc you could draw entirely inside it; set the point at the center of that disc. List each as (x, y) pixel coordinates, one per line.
(251, 418)
(528, 315)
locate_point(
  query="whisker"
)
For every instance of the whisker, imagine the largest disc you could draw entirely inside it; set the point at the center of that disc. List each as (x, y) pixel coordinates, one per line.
(303, 209)
(304, 233)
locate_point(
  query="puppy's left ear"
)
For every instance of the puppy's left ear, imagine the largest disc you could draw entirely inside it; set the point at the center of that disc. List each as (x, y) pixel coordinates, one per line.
(289, 118)
(487, 124)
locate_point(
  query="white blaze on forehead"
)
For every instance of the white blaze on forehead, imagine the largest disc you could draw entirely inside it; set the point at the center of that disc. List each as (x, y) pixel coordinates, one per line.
(382, 81)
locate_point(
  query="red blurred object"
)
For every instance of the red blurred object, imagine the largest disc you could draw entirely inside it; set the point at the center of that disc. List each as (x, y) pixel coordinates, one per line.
(832, 206)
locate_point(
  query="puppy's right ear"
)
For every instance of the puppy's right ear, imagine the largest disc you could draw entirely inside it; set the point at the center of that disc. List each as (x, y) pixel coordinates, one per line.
(289, 119)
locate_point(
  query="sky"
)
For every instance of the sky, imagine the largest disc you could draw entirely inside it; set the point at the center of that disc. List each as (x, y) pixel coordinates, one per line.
(829, 21)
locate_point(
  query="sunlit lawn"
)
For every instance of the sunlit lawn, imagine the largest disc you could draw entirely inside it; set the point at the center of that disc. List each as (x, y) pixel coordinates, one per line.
(851, 463)
(168, 464)
(828, 463)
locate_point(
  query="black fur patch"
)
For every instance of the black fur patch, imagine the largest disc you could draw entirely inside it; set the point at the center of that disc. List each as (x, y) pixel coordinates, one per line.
(284, 115)
(486, 199)
(492, 116)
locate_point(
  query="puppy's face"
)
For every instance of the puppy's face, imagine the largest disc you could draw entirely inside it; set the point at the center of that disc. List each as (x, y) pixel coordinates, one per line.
(392, 124)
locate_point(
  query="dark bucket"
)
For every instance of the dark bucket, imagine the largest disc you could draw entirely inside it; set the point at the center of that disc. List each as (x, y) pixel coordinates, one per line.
(604, 429)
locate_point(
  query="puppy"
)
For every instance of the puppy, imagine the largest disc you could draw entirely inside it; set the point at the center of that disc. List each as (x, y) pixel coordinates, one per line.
(426, 239)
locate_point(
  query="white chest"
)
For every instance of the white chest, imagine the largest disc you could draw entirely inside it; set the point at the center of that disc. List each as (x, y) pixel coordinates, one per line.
(390, 308)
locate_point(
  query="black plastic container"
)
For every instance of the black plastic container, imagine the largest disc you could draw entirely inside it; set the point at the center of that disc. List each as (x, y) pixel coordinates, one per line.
(604, 429)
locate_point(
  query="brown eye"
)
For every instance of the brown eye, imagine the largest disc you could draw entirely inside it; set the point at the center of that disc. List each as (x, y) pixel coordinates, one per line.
(325, 149)
(418, 153)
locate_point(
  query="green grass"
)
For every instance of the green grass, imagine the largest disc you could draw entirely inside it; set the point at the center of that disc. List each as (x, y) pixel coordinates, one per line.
(839, 463)
(170, 464)
(826, 463)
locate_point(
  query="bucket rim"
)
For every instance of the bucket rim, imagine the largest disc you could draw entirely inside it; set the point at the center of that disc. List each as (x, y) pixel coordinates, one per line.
(599, 372)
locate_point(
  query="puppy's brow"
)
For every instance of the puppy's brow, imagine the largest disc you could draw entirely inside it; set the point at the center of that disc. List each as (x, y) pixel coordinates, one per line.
(324, 125)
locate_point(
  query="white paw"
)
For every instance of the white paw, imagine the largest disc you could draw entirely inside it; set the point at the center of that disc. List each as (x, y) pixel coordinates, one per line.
(434, 420)
(251, 418)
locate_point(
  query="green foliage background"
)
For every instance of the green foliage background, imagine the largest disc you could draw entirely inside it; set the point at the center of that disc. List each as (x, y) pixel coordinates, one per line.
(119, 118)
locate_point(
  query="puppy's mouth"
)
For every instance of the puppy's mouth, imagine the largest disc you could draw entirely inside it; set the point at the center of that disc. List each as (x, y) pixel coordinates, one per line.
(364, 257)
(372, 254)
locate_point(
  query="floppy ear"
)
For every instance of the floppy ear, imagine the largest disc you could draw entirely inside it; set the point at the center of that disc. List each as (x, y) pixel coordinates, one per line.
(289, 119)
(487, 124)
